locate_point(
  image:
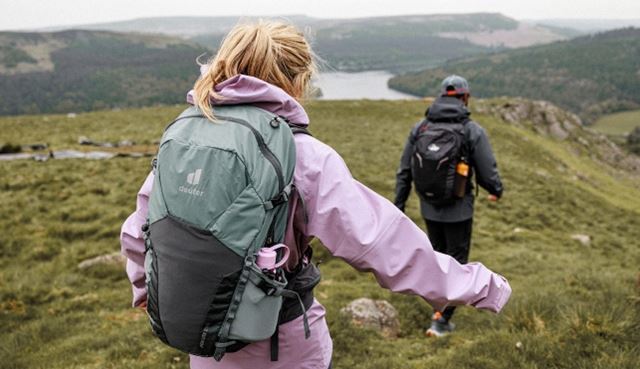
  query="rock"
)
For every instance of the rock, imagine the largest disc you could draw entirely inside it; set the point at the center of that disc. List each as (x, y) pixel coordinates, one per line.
(548, 119)
(584, 239)
(570, 126)
(545, 117)
(115, 258)
(125, 143)
(583, 142)
(557, 132)
(379, 315)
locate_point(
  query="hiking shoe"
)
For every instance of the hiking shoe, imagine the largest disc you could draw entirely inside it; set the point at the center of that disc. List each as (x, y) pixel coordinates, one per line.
(439, 326)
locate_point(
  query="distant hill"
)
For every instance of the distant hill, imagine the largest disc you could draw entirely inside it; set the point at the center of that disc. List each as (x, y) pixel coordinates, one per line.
(590, 75)
(397, 43)
(86, 70)
(405, 42)
(179, 26)
(589, 25)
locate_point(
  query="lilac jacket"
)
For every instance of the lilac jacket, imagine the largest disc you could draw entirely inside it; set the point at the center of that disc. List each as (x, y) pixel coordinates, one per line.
(371, 236)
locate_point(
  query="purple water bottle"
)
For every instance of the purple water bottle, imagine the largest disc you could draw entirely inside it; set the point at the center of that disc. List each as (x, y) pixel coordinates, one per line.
(267, 257)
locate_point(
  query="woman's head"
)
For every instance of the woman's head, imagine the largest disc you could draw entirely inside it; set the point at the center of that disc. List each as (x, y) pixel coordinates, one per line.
(274, 52)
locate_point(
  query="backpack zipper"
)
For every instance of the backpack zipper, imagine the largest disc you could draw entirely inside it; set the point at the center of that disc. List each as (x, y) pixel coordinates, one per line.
(419, 159)
(441, 162)
(268, 154)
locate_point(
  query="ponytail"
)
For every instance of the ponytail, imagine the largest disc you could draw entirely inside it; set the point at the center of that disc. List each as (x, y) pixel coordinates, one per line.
(274, 52)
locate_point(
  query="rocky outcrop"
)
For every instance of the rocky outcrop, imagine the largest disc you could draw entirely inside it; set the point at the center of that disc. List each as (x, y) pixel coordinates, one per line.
(549, 120)
(544, 117)
(379, 315)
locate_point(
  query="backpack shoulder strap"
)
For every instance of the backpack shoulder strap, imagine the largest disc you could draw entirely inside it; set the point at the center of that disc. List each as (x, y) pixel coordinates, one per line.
(418, 128)
(465, 142)
(299, 129)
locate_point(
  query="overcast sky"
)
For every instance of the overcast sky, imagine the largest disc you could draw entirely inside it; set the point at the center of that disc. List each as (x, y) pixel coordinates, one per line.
(29, 14)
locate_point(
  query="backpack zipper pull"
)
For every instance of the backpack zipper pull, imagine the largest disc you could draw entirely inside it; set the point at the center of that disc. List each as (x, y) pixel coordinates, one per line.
(275, 122)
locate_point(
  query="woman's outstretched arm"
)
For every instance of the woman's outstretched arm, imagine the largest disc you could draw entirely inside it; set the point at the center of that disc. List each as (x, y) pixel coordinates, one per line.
(371, 234)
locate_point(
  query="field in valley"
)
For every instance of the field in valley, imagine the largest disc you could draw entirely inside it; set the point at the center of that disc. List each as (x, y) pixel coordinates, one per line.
(618, 124)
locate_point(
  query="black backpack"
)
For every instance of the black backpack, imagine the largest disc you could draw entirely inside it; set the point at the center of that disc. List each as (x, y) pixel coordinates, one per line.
(438, 148)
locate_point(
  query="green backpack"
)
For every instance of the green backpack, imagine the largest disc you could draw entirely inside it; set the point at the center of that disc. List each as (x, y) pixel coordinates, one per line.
(219, 195)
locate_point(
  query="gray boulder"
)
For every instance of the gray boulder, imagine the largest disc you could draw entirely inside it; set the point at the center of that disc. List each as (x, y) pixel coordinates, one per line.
(115, 258)
(379, 315)
(584, 239)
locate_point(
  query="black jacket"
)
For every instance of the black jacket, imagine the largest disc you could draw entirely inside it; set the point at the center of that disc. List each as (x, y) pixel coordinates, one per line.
(481, 160)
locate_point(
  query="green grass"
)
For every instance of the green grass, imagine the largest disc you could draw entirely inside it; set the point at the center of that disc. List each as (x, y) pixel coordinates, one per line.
(573, 306)
(618, 124)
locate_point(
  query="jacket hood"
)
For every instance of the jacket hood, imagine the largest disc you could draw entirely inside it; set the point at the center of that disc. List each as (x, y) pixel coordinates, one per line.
(243, 89)
(447, 109)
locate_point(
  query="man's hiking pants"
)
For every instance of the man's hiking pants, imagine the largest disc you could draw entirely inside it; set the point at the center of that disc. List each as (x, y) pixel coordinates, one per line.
(453, 239)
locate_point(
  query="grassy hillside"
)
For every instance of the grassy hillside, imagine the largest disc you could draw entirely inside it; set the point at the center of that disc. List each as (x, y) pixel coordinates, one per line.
(85, 70)
(573, 306)
(590, 75)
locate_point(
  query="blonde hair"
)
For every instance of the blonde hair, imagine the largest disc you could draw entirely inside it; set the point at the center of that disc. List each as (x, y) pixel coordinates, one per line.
(274, 52)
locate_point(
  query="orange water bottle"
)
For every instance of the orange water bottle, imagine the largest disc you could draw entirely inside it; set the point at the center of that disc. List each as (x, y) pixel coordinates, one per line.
(460, 183)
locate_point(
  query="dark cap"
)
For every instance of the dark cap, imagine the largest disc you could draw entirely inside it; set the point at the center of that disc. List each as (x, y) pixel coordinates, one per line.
(454, 85)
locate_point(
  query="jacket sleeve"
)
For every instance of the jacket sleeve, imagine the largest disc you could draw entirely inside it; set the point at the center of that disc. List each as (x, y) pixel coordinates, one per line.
(371, 234)
(484, 162)
(403, 175)
(132, 243)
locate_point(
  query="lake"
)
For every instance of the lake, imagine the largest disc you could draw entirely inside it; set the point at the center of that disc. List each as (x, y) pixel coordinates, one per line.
(361, 85)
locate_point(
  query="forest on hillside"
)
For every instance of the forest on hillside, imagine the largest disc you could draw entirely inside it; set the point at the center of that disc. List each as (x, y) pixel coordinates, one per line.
(590, 75)
(89, 70)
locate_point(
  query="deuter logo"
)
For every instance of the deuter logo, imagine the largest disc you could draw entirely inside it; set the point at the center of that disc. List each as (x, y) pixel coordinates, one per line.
(192, 179)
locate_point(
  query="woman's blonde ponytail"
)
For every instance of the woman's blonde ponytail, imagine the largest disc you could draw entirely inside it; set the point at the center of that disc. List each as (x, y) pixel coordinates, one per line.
(274, 52)
(203, 93)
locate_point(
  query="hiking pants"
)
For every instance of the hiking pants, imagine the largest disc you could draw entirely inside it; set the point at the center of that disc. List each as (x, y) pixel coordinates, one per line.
(453, 239)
